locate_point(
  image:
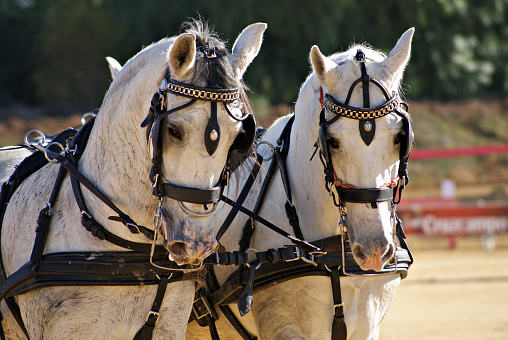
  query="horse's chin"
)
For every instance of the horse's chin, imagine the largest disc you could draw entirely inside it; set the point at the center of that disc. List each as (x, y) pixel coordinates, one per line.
(371, 265)
(186, 261)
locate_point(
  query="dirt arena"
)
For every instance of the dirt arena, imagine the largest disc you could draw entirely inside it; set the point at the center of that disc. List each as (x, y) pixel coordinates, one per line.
(457, 293)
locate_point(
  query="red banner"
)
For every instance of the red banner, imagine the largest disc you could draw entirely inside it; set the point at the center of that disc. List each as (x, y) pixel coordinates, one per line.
(449, 218)
(468, 151)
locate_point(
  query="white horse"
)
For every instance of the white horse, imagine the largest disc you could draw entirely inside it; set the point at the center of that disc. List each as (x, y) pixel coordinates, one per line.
(12, 156)
(303, 308)
(117, 160)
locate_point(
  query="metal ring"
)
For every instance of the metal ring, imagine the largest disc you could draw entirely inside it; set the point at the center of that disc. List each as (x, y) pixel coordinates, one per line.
(47, 149)
(86, 117)
(272, 149)
(248, 264)
(27, 143)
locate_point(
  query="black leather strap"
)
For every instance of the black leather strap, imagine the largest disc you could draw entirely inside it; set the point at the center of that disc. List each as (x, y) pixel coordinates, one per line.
(339, 330)
(128, 268)
(241, 198)
(16, 313)
(301, 243)
(146, 331)
(192, 195)
(365, 195)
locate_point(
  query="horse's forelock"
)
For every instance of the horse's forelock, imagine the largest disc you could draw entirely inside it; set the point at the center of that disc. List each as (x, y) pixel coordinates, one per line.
(204, 34)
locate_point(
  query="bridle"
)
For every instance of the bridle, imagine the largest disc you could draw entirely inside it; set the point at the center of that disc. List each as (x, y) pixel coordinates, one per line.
(156, 117)
(390, 191)
(367, 126)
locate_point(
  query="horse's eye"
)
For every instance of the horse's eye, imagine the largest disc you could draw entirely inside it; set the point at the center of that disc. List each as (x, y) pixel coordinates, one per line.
(173, 131)
(334, 144)
(398, 138)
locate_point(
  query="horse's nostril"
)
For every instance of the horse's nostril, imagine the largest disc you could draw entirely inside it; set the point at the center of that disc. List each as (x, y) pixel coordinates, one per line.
(359, 253)
(390, 250)
(178, 248)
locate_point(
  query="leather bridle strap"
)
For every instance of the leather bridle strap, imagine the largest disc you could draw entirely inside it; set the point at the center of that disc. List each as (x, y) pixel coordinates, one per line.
(191, 195)
(90, 224)
(280, 154)
(365, 195)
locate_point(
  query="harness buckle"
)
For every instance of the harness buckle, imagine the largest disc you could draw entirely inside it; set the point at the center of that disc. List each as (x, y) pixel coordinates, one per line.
(309, 260)
(202, 307)
(338, 310)
(296, 252)
(153, 316)
(302, 255)
(255, 265)
(154, 183)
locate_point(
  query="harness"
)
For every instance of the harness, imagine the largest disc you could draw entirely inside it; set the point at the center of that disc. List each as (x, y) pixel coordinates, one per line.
(332, 256)
(143, 263)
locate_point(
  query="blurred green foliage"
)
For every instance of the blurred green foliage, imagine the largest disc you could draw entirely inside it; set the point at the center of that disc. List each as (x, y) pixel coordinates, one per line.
(52, 51)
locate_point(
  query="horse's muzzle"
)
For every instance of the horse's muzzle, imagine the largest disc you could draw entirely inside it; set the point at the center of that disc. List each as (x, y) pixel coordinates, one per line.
(373, 260)
(189, 242)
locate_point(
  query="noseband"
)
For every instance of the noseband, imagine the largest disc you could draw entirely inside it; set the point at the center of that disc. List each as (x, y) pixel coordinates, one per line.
(157, 114)
(367, 126)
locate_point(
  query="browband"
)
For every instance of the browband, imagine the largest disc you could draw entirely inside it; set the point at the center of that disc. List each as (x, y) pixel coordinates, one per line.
(215, 95)
(362, 114)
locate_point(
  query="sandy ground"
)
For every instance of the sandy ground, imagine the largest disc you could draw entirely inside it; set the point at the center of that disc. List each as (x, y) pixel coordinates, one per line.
(452, 294)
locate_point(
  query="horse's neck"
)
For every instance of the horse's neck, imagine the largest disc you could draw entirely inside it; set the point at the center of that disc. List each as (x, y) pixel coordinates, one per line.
(317, 213)
(117, 158)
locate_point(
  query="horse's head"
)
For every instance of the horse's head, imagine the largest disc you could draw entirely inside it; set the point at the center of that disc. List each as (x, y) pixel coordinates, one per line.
(364, 141)
(198, 118)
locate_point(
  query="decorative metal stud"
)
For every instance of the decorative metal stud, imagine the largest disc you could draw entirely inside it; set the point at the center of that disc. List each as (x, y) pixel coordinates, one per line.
(367, 126)
(214, 135)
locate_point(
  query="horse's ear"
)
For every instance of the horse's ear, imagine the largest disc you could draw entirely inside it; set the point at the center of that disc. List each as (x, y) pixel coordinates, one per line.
(399, 56)
(246, 47)
(322, 66)
(114, 67)
(181, 56)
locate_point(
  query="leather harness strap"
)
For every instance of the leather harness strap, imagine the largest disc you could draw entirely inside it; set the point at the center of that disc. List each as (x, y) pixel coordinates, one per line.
(241, 198)
(339, 329)
(146, 331)
(279, 265)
